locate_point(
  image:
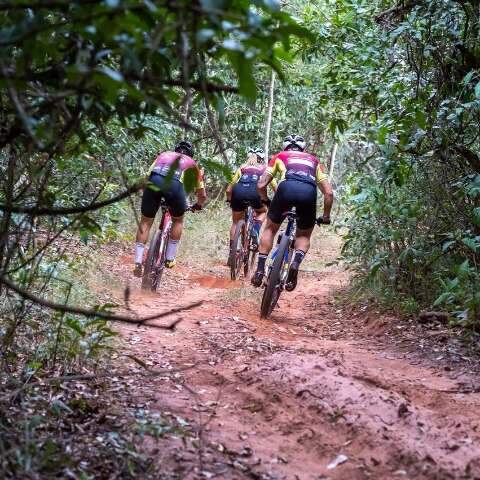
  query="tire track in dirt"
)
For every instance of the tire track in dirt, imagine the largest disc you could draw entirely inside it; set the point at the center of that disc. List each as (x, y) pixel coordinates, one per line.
(282, 399)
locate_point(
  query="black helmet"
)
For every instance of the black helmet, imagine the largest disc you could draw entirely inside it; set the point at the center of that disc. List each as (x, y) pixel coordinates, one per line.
(184, 147)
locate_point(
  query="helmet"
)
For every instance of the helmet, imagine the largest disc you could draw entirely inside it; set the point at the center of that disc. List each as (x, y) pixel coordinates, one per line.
(258, 152)
(184, 147)
(294, 142)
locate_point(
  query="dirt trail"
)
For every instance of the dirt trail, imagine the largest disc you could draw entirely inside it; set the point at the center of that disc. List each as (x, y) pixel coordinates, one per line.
(285, 398)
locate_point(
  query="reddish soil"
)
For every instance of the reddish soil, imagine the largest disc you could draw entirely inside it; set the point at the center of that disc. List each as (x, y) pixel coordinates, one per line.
(318, 382)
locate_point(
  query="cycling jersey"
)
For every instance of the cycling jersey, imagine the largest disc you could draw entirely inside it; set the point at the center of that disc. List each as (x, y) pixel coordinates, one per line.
(165, 162)
(297, 166)
(301, 174)
(248, 174)
(244, 192)
(172, 191)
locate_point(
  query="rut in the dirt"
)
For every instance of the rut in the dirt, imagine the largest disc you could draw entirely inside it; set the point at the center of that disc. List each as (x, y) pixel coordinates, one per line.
(312, 393)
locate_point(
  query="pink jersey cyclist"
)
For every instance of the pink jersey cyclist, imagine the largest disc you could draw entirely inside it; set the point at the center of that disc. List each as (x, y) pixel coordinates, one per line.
(297, 165)
(170, 175)
(300, 174)
(167, 160)
(167, 176)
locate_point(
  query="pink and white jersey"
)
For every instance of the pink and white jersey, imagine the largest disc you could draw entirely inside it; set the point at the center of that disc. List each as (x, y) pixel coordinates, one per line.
(164, 162)
(299, 165)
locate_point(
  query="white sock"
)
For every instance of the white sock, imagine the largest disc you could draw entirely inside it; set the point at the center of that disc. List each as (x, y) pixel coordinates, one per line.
(139, 249)
(172, 249)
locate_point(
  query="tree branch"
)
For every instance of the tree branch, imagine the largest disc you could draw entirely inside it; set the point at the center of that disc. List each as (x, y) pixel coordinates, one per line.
(472, 158)
(397, 10)
(36, 211)
(95, 313)
(44, 4)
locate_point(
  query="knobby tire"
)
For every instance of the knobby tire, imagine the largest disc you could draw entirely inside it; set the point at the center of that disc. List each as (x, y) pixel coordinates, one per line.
(152, 256)
(153, 273)
(272, 291)
(237, 255)
(250, 256)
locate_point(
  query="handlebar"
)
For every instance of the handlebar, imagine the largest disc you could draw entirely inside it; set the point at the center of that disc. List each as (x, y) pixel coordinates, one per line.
(320, 221)
(194, 208)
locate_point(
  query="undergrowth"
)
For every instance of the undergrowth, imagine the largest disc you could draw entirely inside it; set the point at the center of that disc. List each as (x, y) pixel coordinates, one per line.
(58, 416)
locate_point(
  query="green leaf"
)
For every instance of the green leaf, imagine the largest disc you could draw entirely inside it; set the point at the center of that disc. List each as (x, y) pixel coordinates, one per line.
(476, 216)
(477, 90)
(470, 243)
(190, 179)
(468, 77)
(445, 297)
(448, 244)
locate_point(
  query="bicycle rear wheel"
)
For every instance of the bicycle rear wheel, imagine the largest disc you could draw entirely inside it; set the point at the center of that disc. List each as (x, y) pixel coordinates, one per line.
(250, 256)
(152, 257)
(155, 263)
(272, 291)
(237, 251)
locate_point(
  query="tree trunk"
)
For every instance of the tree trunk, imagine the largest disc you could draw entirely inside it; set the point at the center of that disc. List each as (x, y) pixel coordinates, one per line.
(333, 154)
(268, 123)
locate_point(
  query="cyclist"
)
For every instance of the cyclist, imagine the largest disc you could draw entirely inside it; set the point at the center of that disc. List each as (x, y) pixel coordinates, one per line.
(166, 182)
(300, 173)
(242, 191)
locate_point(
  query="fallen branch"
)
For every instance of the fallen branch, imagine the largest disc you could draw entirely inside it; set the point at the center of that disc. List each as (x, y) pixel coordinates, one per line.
(79, 378)
(425, 317)
(96, 313)
(38, 383)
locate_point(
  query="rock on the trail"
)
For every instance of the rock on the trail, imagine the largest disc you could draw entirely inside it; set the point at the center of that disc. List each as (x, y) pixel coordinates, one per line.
(338, 461)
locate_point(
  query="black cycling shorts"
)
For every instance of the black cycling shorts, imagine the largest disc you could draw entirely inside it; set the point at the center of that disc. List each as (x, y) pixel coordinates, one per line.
(157, 189)
(298, 194)
(245, 195)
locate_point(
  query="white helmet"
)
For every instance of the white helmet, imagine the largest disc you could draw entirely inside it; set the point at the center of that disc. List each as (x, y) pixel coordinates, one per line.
(258, 152)
(296, 142)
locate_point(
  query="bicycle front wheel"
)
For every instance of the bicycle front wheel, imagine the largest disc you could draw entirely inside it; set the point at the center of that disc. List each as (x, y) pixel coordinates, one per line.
(274, 286)
(237, 252)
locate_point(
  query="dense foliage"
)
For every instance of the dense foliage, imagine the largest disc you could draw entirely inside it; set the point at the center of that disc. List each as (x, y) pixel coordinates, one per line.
(91, 90)
(414, 90)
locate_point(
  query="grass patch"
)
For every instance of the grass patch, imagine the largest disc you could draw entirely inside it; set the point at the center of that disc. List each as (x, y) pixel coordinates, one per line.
(205, 237)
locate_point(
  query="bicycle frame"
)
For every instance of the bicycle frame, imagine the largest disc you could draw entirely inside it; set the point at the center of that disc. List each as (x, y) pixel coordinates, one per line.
(290, 232)
(249, 217)
(164, 226)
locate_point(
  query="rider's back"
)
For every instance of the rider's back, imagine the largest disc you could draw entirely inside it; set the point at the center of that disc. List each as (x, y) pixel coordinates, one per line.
(297, 165)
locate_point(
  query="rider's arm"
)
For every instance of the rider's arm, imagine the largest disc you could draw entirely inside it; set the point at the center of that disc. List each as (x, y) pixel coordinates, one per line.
(234, 180)
(267, 177)
(262, 184)
(326, 189)
(200, 188)
(201, 196)
(273, 185)
(229, 192)
(152, 166)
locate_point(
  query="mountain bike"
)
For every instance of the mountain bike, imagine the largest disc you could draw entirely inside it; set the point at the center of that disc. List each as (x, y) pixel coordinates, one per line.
(157, 249)
(280, 263)
(243, 251)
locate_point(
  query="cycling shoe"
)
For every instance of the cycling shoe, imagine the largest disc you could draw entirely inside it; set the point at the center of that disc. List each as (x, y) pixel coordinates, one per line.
(137, 272)
(257, 279)
(170, 263)
(291, 282)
